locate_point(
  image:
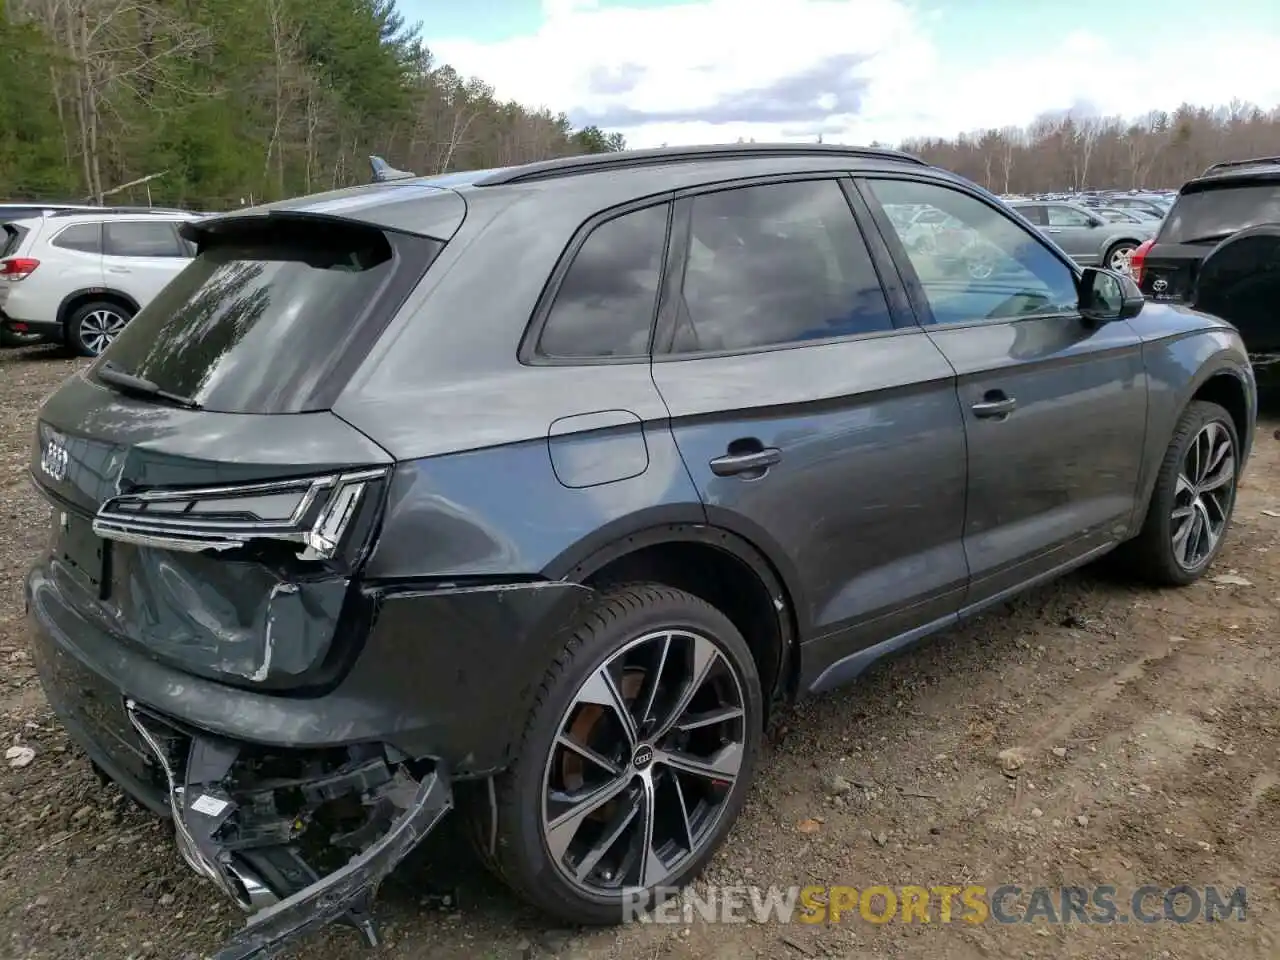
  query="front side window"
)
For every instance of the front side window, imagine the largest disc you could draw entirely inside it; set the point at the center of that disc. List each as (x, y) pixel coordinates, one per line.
(776, 264)
(126, 238)
(989, 268)
(606, 302)
(84, 237)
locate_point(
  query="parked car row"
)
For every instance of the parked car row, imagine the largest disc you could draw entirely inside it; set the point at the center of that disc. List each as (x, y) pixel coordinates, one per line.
(78, 275)
(346, 534)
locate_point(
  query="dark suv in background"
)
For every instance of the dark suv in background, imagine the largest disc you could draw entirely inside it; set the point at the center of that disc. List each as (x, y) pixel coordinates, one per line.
(1219, 250)
(539, 490)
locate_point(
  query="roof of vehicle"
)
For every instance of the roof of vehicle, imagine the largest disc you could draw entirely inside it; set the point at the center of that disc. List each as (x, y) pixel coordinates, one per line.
(121, 211)
(1229, 171)
(434, 206)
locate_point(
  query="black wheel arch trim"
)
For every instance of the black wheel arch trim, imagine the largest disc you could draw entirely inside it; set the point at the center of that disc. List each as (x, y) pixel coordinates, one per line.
(689, 524)
(64, 306)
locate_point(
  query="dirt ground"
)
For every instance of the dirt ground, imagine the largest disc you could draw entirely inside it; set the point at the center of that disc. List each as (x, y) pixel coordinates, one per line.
(1149, 723)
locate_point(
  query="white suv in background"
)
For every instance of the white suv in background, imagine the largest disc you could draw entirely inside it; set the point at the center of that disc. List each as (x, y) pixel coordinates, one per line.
(77, 278)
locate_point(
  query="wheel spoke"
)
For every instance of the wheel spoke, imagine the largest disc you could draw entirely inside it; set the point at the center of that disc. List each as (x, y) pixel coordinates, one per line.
(695, 721)
(702, 657)
(1208, 537)
(652, 869)
(561, 831)
(622, 819)
(722, 766)
(653, 682)
(601, 690)
(684, 813)
(582, 750)
(1220, 474)
(1182, 538)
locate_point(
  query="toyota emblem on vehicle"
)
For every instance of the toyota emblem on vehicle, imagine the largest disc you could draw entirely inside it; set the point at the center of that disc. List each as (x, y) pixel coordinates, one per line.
(53, 459)
(1160, 286)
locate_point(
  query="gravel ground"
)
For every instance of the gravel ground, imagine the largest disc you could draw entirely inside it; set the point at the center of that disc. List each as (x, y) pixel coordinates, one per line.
(1147, 726)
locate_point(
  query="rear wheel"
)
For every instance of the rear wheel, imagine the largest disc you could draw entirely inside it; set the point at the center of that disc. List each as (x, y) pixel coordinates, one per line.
(1192, 502)
(634, 763)
(93, 326)
(1119, 255)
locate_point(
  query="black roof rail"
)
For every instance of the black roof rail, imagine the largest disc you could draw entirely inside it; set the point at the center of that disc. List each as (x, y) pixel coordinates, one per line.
(626, 159)
(1232, 164)
(130, 210)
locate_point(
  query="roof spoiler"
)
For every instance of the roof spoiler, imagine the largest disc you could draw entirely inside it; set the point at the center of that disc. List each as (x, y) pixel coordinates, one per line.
(383, 171)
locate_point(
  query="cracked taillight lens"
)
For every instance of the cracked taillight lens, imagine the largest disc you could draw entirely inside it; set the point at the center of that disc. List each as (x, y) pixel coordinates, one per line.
(313, 514)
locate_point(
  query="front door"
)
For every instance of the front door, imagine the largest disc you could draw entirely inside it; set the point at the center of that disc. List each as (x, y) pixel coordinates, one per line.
(810, 422)
(1054, 407)
(1074, 231)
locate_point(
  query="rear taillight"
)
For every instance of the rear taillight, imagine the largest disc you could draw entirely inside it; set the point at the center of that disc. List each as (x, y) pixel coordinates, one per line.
(1138, 258)
(18, 268)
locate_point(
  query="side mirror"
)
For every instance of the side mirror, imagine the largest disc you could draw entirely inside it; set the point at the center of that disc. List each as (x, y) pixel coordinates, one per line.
(1106, 296)
(1096, 221)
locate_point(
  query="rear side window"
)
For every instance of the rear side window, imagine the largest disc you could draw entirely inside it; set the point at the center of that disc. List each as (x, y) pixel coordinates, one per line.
(1216, 213)
(606, 302)
(775, 264)
(10, 238)
(84, 237)
(258, 322)
(124, 238)
(1034, 213)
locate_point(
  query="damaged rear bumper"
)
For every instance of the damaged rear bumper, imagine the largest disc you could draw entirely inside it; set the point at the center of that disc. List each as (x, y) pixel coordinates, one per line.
(240, 828)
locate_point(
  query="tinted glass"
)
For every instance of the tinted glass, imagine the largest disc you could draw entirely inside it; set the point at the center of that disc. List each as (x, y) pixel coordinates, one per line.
(990, 268)
(124, 238)
(606, 302)
(1060, 216)
(1033, 212)
(255, 324)
(776, 264)
(1217, 213)
(85, 237)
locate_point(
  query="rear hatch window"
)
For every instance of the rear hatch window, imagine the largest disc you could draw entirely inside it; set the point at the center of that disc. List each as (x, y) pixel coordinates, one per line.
(269, 317)
(1213, 214)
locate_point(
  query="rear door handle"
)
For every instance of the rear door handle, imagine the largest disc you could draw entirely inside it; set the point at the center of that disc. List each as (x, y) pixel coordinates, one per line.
(755, 461)
(995, 405)
(118, 270)
(1053, 230)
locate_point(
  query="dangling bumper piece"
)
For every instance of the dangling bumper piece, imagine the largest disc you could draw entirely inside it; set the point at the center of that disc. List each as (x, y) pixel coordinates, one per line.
(255, 824)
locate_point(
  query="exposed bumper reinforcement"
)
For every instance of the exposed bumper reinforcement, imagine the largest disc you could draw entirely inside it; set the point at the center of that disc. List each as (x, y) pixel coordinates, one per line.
(292, 902)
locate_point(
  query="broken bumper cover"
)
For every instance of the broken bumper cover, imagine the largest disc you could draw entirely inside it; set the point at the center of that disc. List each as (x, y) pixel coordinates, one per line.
(268, 877)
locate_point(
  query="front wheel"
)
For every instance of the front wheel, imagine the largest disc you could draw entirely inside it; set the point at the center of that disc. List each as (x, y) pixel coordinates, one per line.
(91, 328)
(634, 763)
(1193, 499)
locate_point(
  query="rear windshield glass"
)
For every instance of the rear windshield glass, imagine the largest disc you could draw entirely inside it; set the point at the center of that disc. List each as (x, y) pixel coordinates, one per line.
(1218, 212)
(256, 324)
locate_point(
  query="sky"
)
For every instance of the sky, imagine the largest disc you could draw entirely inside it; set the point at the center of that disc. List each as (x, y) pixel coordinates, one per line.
(853, 71)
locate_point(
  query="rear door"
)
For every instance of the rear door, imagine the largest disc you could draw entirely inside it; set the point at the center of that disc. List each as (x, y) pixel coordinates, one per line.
(1205, 214)
(141, 256)
(815, 418)
(1055, 408)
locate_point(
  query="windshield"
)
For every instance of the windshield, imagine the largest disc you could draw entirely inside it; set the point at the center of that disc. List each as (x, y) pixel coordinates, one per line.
(1220, 211)
(256, 324)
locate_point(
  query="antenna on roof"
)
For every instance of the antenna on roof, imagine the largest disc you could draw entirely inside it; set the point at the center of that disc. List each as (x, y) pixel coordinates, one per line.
(383, 171)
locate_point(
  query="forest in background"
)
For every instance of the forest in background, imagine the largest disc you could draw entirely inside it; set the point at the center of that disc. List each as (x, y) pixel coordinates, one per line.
(223, 102)
(1071, 151)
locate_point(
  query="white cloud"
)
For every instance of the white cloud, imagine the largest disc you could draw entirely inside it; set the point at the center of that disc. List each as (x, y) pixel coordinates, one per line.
(859, 70)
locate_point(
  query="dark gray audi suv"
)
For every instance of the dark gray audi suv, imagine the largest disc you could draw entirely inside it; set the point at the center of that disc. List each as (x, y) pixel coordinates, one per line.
(535, 492)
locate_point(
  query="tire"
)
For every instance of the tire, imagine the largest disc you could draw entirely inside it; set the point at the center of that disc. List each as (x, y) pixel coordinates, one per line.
(1120, 251)
(1151, 556)
(103, 316)
(627, 623)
